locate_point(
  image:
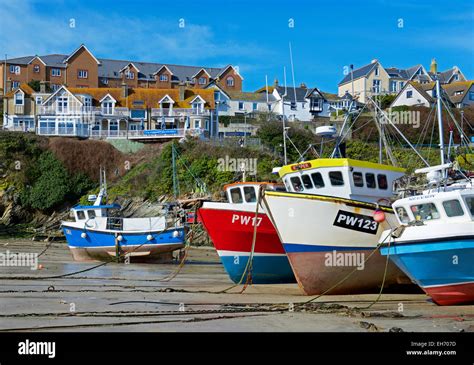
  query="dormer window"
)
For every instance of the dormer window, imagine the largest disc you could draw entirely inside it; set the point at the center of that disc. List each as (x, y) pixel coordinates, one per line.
(19, 98)
(198, 108)
(230, 81)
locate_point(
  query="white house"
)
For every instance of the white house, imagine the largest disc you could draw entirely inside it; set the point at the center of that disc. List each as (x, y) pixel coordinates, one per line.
(412, 94)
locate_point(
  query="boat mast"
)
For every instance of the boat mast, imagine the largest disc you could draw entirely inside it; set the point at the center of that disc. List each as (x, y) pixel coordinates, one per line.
(283, 117)
(175, 179)
(440, 123)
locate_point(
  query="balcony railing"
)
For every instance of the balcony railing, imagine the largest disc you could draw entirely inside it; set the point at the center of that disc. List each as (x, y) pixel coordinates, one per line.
(84, 111)
(177, 112)
(145, 134)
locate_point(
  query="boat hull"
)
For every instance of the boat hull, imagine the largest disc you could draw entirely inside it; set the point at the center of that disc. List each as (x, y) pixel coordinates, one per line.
(231, 232)
(323, 251)
(441, 267)
(101, 245)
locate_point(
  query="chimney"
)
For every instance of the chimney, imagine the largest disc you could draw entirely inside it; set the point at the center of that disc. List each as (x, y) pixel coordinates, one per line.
(303, 85)
(434, 66)
(42, 87)
(181, 90)
(124, 90)
(9, 86)
(275, 83)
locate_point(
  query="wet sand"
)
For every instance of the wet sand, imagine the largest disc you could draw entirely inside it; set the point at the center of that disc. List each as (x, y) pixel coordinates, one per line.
(135, 297)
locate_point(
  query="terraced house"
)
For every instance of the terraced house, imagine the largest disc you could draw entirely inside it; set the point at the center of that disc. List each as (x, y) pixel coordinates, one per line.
(132, 113)
(81, 69)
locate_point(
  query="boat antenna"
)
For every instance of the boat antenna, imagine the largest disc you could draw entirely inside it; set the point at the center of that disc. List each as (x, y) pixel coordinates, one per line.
(440, 122)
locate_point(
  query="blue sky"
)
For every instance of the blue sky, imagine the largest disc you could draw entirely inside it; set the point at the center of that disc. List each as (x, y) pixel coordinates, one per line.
(254, 35)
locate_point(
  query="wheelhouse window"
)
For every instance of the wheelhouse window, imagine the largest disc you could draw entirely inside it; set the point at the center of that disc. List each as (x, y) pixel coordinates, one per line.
(317, 180)
(336, 178)
(296, 183)
(470, 204)
(307, 182)
(382, 181)
(236, 195)
(81, 215)
(425, 212)
(370, 180)
(358, 179)
(249, 193)
(91, 214)
(453, 208)
(402, 214)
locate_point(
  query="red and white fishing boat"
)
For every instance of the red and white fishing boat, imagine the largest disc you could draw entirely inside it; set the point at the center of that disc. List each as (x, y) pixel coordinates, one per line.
(230, 226)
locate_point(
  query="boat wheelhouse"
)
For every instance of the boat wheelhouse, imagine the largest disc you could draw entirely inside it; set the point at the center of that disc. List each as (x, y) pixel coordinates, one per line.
(328, 211)
(342, 177)
(435, 242)
(230, 226)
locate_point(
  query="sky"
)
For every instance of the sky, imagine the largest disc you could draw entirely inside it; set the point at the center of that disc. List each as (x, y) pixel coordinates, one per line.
(325, 36)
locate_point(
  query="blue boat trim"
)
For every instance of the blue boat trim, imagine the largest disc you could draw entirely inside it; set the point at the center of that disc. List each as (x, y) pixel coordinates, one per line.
(297, 247)
(265, 269)
(422, 246)
(105, 206)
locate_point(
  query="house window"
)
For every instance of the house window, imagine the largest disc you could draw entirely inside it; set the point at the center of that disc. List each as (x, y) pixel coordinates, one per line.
(456, 77)
(393, 86)
(229, 81)
(55, 87)
(197, 123)
(107, 108)
(409, 94)
(19, 98)
(377, 71)
(376, 86)
(130, 75)
(56, 72)
(241, 105)
(36, 69)
(471, 95)
(202, 81)
(164, 78)
(14, 69)
(254, 106)
(293, 105)
(62, 104)
(400, 85)
(82, 74)
(39, 100)
(15, 84)
(198, 108)
(105, 80)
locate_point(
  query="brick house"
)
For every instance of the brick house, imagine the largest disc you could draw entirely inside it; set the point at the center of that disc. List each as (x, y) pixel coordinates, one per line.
(82, 69)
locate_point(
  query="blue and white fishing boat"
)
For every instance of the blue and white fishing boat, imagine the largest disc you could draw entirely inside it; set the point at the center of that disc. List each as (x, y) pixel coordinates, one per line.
(98, 233)
(434, 243)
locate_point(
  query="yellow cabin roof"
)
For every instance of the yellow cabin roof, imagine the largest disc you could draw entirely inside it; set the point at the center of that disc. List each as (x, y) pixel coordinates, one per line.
(335, 162)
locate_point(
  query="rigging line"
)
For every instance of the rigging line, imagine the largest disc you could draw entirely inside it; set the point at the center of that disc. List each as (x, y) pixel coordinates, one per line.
(455, 122)
(425, 128)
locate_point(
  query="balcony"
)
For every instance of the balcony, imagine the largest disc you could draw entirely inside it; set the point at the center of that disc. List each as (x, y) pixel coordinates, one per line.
(79, 131)
(83, 111)
(178, 112)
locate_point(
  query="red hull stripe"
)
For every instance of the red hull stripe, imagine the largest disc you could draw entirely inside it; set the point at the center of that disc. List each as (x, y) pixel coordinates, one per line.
(451, 294)
(232, 230)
